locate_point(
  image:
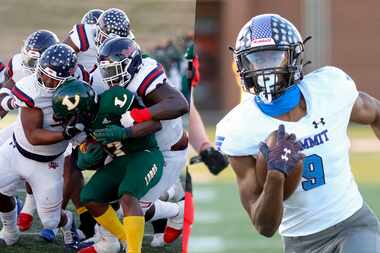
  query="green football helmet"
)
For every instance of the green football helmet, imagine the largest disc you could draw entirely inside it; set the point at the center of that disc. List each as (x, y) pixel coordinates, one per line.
(75, 98)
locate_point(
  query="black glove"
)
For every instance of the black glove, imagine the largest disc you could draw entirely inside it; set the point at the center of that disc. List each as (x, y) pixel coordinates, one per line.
(284, 155)
(72, 128)
(214, 160)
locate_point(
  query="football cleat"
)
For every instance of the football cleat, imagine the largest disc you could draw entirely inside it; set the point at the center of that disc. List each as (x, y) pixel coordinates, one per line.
(97, 236)
(174, 227)
(158, 240)
(9, 237)
(48, 234)
(106, 244)
(24, 221)
(70, 234)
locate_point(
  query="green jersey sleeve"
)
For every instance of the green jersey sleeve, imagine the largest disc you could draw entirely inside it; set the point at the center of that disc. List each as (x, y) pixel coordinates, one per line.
(116, 101)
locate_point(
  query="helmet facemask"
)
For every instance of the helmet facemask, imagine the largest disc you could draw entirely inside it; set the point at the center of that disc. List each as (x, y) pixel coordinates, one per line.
(30, 60)
(268, 71)
(101, 36)
(48, 79)
(116, 73)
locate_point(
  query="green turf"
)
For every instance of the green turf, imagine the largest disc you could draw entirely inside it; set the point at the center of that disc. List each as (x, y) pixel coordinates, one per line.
(30, 242)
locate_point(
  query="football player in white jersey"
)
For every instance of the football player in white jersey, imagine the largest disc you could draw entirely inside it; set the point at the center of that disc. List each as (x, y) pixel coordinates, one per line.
(326, 213)
(35, 151)
(22, 65)
(121, 63)
(85, 38)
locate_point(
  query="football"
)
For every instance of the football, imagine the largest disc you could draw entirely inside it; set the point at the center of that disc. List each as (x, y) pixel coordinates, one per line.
(292, 180)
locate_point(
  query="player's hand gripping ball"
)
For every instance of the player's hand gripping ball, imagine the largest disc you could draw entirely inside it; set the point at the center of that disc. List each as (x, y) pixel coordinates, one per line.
(280, 152)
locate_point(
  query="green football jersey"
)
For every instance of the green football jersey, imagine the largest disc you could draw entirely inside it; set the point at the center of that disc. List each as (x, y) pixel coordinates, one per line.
(113, 103)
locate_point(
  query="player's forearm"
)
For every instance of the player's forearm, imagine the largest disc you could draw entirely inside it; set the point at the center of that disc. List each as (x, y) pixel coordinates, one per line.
(144, 128)
(266, 212)
(169, 108)
(41, 136)
(197, 133)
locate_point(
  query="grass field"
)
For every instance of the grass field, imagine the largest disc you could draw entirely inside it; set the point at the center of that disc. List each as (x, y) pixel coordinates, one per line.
(222, 226)
(30, 242)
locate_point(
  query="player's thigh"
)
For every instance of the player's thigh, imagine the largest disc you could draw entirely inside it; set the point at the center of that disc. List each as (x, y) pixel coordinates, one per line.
(362, 235)
(144, 170)
(10, 177)
(175, 162)
(360, 240)
(46, 180)
(104, 184)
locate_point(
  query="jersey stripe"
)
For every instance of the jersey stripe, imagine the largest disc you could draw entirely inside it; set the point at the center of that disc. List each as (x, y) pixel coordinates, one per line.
(148, 80)
(23, 97)
(85, 74)
(82, 37)
(10, 68)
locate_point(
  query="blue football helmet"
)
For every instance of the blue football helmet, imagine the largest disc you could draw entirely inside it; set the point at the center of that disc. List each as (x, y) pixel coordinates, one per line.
(56, 65)
(91, 17)
(269, 56)
(34, 45)
(119, 60)
(112, 22)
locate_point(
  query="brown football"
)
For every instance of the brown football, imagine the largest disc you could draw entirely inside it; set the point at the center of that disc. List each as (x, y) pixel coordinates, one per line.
(292, 180)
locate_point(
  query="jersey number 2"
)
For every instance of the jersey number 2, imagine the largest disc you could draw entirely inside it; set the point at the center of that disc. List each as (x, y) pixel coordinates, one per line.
(313, 172)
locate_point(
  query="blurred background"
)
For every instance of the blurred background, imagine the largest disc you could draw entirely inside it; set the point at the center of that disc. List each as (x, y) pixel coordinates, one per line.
(153, 21)
(345, 34)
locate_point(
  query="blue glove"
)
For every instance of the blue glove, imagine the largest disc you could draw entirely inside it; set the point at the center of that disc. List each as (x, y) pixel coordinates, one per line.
(284, 154)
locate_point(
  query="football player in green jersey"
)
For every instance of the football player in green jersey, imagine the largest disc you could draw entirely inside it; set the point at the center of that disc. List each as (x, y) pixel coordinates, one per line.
(134, 162)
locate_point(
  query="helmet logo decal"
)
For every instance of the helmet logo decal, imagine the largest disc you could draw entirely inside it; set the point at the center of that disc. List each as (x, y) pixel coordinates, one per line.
(50, 71)
(70, 105)
(121, 103)
(262, 42)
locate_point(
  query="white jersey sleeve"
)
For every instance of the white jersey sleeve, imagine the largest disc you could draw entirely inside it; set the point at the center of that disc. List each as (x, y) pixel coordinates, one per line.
(24, 92)
(233, 137)
(150, 75)
(80, 35)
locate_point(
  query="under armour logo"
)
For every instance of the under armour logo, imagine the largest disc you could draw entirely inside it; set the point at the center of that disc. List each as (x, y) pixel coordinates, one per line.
(286, 153)
(322, 121)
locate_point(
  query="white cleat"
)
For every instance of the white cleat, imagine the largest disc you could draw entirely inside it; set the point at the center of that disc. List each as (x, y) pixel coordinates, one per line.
(174, 226)
(158, 240)
(106, 244)
(9, 238)
(97, 235)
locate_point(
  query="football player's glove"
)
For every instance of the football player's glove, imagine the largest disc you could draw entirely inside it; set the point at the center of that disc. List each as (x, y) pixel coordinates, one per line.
(284, 155)
(214, 160)
(111, 133)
